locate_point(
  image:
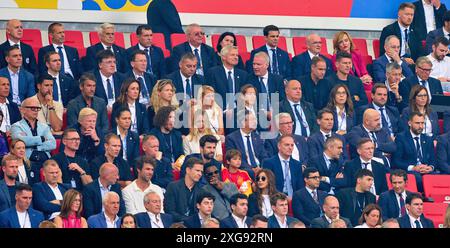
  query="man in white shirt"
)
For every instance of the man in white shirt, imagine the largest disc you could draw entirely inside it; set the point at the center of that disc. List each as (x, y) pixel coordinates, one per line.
(238, 218)
(107, 218)
(441, 63)
(152, 217)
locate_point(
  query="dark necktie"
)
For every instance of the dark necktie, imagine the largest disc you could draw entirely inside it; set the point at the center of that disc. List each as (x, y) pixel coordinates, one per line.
(264, 91)
(274, 62)
(55, 90)
(250, 152)
(407, 49)
(402, 206)
(423, 83)
(418, 149)
(384, 120)
(144, 90)
(199, 61)
(287, 187)
(327, 136)
(149, 60)
(365, 165)
(374, 138)
(314, 195)
(406, 35)
(230, 83)
(16, 45)
(417, 222)
(61, 57)
(188, 88)
(300, 120)
(110, 90)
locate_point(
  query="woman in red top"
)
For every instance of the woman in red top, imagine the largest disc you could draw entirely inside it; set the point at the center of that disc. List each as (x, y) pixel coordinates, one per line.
(71, 208)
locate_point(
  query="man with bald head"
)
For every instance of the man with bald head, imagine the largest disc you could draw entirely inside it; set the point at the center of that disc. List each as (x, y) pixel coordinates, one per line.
(14, 30)
(330, 213)
(108, 218)
(302, 113)
(371, 128)
(94, 192)
(301, 64)
(37, 136)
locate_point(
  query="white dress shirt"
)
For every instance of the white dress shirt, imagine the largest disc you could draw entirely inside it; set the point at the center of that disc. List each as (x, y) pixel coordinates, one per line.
(24, 219)
(56, 192)
(111, 223)
(342, 120)
(412, 220)
(155, 220)
(105, 86)
(132, 108)
(280, 221)
(59, 86)
(429, 16)
(240, 222)
(440, 68)
(133, 197)
(298, 128)
(398, 202)
(15, 86)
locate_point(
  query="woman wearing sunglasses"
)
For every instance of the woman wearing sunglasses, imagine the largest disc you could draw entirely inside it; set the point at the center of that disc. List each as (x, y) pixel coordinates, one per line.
(259, 201)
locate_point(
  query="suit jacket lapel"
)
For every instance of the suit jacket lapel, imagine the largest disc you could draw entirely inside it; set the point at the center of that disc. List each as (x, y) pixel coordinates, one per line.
(15, 219)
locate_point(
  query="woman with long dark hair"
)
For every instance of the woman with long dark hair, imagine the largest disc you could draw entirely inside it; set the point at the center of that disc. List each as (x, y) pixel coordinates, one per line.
(259, 201)
(227, 39)
(341, 105)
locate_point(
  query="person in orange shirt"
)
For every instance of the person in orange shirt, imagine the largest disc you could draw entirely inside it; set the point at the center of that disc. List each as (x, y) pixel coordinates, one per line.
(232, 173)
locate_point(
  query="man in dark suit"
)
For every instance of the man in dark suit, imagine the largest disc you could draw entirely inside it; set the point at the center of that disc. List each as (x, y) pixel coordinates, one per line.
(14, 30)
(10, 110)
(107, 38)
(162, 174)
(330, 213)
(366, 160)
(194, 44)
(186, 81)
(153, 218)
(301, 64)
(22, 82)
(415, 217)
(87, 99)
(244, 137)
(410, 41)
(93, 192)
(330, 165)
(389, 115)
(227, 78)
(163, 17)
(443, 153)
(108, 80)
(280, 207)
(392, 202)
(238, 218)
(147, 81)
(443, 31)
(422, 23)
(392, 54)
(343, 76)
(422, 77)
(370, 128)
(302, 112)
(21, 215)
(48, 195)
(70, 60)
(204, 205)
(9, 183)
(156, 66)
(316, 90)
(415, 150)
(307, 202)
(353, 200)
(279, 59)
(287, 171)
(108, 218)
(392, 83)
(64, 86)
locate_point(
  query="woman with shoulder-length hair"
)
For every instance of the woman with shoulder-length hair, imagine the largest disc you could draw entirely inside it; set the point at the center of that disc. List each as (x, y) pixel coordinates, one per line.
(341, 105)
(163, 94)
(26, 173)
(370, 217)
(71, 208)
(227, 39)
(213, 113)
(259, 200)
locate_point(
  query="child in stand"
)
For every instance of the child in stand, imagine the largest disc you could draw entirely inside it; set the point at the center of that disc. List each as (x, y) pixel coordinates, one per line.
(232, 173)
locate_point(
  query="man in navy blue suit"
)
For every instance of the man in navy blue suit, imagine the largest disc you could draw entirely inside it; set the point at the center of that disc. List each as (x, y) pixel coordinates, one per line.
(70, 60)
(415, 217)
(185, 80)
(107, 38)
(279, 59)
(307, 202)
(156, 66)
(392, 82)
(153, 218)
(410, 42)
(21, 215)
(147, 81)
(204, 206)
(280, 206)
(48, 195)
(389, 115)
(10, 110)
(14, 30)
(287, 171)
(422, 77)
(439, 32)
(392, 202)
(371, 128)
(392, 48)
(205, 54)
(238, 218)
(415, 150)
(22, 82)
(301, 64)
(366, 160)
(227, 78)
(108, 218)
(108, 80)
(330, 165)
(443, 153)
(428, 15)
(343, 76)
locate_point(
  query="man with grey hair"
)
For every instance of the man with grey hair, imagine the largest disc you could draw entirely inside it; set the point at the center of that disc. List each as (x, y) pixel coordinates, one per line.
(211, 223)
(390, 223)
(195, 44)
(107, 218)
(393, 77)
(106, 33)
(185, 80)
(153, 218)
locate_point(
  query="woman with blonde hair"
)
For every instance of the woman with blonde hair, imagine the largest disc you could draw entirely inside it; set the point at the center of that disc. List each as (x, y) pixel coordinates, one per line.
(207, 104)
(26, 174)
(163, 94)
(71, 208)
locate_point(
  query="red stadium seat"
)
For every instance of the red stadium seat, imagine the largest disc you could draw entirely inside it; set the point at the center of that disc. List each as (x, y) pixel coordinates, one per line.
(176, 175)
(56, 150)
(158, 40)
(441, 126)
(446, 93)
(360, 46)
(300, 45)
(245, 57)
(437, 187)
(376, 48)
(240, 41)
(73, 38)
(119, 41)
(177, 39)
(435, 212)
(259, 41)
(410, 186)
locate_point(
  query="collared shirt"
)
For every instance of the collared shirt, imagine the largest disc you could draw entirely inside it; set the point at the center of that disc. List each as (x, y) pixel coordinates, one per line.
(112, 98)
(15, 85)
(325, 134)
(440, 68)
(328, 219)
(280, 221)
(415, 145)
(284, 168)
(370, 135)
(369, 167)
(124, 144)
(310, 191)
(106, 47)
(267, 210)
(56, 192)
(402, 32)
(103, 190)
(24, 219)
(232, 76)
(156, 220)
(295, 152)
(341, 119)
(22, 174)
(311, 55)
(142, 99)
(388, 120)
(133, 197)
(412, 220)
(398, 202)
(11, 43)
(6, 123)
(428, 129)
(200, 67)
(109, 223)
(59, 86)
(427, 85)
(67, 68)
(240, 222)
(142, 48)
(244, 139)
(429, 16)
(298, 128)
(44, 113)
(390, 59)
(269, 50)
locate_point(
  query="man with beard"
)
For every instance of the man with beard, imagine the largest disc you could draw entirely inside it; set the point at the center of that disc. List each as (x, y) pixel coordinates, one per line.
(415, 151)
(441, 63)
(10, 168)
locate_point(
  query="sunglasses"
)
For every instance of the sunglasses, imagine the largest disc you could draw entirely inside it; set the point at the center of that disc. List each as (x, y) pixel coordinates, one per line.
(210, 174)
(262, 178)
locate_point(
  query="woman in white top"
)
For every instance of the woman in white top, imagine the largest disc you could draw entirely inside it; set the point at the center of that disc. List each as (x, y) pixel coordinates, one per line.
(163, 94)
(370, 217)
(342, 106)
(200, 127)
(206, 102)
(25, 173)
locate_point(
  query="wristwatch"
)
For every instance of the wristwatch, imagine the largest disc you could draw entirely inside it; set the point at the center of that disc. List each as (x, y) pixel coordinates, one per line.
(51, 108)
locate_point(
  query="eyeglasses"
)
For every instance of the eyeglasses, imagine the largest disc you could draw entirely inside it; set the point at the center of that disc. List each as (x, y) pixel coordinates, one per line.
(424, 69)
(422, 95)
(210, 174)
(262, 178)
(33, 108)
(316, 177)
(73, 139)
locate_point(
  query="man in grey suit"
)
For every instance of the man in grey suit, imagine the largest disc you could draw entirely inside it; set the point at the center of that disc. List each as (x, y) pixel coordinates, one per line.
(331, 213)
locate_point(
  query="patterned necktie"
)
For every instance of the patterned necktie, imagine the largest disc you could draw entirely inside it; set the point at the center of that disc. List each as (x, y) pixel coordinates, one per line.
(419, 150)
(61, 57)
(287, 179)
(144, 90)
(374, 138)
(110, 90)
(300, 120)
(314, 195)
(402, 205)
